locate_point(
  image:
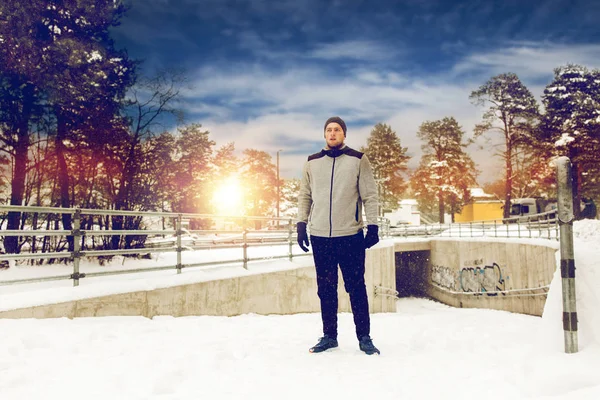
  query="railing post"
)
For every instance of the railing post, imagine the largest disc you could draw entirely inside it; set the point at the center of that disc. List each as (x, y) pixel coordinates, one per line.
(567, 257)
(290, 240)
(76, 233)
(178, 233)
(245, 245)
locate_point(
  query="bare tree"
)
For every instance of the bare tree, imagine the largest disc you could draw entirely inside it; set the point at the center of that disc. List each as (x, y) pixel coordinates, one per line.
(151, 102)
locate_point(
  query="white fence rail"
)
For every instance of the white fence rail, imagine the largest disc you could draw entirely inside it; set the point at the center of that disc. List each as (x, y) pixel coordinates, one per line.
(242, 234)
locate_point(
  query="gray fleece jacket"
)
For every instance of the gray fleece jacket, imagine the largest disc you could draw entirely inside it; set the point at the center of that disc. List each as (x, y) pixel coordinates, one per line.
(333, 191)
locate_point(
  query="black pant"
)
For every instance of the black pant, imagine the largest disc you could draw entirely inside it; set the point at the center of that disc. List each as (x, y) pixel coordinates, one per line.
(349, 253)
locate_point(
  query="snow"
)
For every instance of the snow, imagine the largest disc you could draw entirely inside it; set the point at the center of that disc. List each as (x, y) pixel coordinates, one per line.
(438, 164)
(429, 350)
(479, 192)
(94, 56)
(564, 140)
(55, 29)
(587, 280)
(82, 21)
(52, 292)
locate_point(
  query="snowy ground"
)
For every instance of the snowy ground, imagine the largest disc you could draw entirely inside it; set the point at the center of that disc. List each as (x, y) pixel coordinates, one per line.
(429, 350)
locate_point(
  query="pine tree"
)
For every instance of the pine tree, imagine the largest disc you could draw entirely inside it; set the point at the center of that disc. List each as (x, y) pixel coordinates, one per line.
(155, 183)
(259, 176)
(193, 168)
(512, 111)
(57, 64)
(534, 174)
(446, 171)
(289, 194)
(571, 125)
(225, 162)
(389, 162)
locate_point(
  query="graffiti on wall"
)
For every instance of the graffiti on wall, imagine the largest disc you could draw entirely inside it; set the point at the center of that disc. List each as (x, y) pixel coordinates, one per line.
(444, 277)
(476, 278)
(482, 279)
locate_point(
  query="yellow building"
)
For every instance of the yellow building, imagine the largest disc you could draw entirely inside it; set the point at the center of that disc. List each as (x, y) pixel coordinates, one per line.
(483, 207)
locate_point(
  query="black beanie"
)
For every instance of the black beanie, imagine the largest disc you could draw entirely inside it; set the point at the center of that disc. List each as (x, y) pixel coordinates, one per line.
(337, 120)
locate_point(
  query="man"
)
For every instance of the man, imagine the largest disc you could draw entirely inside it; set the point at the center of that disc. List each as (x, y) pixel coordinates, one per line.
(336, 183)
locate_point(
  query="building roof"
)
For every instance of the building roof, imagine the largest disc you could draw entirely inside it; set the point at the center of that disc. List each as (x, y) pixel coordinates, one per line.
(478, 192)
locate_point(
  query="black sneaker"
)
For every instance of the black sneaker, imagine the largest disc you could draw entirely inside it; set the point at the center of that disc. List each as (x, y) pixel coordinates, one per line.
(325, 343)
(366, 344)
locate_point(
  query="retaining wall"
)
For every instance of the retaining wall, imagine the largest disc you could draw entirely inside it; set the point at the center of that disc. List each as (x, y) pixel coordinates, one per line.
(288, 291)
(470, 273)
(494, 274)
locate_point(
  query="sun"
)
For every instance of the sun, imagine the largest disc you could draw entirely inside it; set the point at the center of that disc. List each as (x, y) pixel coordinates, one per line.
(228, 198)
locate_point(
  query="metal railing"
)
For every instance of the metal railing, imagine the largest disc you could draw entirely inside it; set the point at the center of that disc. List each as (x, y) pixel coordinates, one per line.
(544, 225)
(278, 232)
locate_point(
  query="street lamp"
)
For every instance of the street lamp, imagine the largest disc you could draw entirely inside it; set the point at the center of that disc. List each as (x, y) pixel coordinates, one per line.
(278, 187)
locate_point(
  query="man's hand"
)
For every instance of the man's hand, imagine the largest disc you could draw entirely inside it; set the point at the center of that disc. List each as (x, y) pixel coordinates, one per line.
(302, 236)
(372, 237)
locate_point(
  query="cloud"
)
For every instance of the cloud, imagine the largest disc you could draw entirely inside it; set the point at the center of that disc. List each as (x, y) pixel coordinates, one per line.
(267, 74)
(288, 106)
(275, 47)
(530, 59)
(297, 102)
(364, 50)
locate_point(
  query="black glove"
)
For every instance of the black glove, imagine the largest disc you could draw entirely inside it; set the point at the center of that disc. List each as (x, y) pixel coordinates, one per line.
(302, 235)
(372, 237)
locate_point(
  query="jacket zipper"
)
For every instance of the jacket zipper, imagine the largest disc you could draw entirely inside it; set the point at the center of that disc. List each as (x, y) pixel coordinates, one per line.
(331, 198)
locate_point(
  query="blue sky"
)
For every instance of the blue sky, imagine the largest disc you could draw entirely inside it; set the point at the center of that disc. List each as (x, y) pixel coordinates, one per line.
(267, 74)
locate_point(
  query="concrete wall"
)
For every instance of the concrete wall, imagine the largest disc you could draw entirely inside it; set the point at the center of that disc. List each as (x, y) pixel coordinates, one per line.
(460, 273)
(467, 273)
(281, 292)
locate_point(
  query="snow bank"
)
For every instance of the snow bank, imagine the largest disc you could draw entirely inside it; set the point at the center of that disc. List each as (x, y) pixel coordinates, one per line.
(586, 241)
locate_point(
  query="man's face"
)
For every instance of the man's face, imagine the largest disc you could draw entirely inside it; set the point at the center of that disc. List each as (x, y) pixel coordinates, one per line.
(334, 135)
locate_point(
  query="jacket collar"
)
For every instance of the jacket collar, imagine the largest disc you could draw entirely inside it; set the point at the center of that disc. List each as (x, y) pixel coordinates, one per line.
(335, 152)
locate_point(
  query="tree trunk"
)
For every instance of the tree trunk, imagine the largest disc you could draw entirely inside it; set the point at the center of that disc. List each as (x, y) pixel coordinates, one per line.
(34, 226)
(46, 240)
(19, 174)
(441, 206)
(63, 174)
(509, 174)
(92, 180)
(38, 196)
(123, 195)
